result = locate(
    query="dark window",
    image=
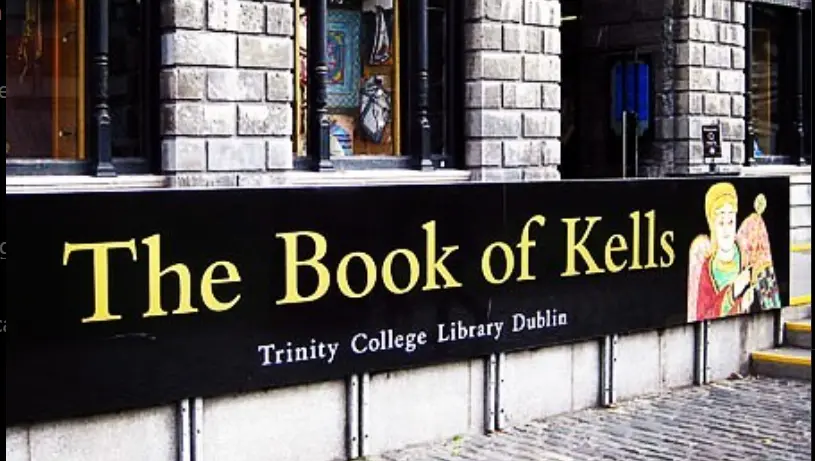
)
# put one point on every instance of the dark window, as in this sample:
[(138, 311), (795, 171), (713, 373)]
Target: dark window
[(370, 61), (50, 85), (774, 85)]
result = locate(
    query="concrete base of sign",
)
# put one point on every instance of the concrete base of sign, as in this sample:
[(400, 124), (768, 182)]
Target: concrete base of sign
[(404, 408)]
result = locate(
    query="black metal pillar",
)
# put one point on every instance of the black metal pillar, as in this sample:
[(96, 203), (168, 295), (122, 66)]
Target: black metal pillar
[(799, 87), (421, 83), (101, 132), (750, 137), (318, 123)]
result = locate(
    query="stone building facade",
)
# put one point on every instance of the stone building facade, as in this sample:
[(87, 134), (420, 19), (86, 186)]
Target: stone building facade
[(225, 75)]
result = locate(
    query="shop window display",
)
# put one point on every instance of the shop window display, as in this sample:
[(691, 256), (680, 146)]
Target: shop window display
[(49, 84), (773, 84), (44, 74), (362, 85)]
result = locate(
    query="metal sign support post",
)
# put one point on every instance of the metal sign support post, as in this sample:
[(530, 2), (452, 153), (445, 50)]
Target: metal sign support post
[(625, 143)]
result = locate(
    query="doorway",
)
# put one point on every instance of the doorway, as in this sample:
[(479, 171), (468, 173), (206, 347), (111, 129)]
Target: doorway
[(606, 102)]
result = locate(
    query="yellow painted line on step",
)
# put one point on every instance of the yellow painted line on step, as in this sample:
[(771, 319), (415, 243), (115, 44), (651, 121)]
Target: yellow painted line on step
[(802, 300), (801, 247), (774, 357), (799, 327)]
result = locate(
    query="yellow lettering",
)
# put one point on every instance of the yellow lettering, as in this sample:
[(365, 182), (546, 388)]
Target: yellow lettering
[(436, 265), (101, 309), (614, 244), (413, 273), (342, 274), (155, 273), (666, 242), (292, 263), (635, 250), (572, 247), (208, 280), (652, 239), (525, 244), (486, 263)]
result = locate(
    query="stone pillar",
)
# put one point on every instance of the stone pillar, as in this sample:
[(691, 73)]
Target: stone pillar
[(226, 89), (707, 86), (512, 95)]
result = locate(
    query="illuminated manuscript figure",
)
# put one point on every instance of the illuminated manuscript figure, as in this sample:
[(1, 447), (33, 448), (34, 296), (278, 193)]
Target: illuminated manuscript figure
[(732, 268)]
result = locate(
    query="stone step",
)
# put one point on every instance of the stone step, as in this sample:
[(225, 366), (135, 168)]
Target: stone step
[(798, 333), (798, 312), (783, 362)]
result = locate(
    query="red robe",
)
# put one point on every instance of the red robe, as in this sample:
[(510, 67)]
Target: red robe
[(709, 301)]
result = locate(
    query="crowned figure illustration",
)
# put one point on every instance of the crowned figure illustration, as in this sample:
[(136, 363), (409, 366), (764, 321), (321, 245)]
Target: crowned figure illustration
[(731, 268)]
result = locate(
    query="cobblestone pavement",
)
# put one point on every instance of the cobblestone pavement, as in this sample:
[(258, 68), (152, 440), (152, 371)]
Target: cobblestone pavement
[(746, 420)]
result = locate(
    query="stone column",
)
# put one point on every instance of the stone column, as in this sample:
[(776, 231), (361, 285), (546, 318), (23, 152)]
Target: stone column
[(512, 102), (227, 90), (708, 85)]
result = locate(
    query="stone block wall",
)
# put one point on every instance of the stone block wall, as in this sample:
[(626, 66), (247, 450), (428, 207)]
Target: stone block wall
[(707, 85), (512, 95), (226, 89)]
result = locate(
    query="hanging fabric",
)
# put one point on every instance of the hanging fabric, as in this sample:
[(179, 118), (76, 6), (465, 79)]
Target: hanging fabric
[(375, 109), (381, 49)]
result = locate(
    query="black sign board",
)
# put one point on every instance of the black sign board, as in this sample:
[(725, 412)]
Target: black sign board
[(712, 141), (131, 299)]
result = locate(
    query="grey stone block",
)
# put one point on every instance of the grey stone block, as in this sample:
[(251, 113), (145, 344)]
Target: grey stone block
[(739, 58), (279, 86), (534, 39), (271, 119), (485, 95), (731, 81), (503, 10), (542, 12), (550, 96), (541, 124), (702, 30), (521, 152), (265, 52), (737, 105), (690, 54), (235, 85), (717, 104), (234, 154), (497, 175), (733, 129), (690, 103), (697, 79), (183, 14), (482, 36), (279, 154), (493, 123), (223, 15), (182, 83), (483, 153), (252, 18), (732, 34), (513, 37), (540, 173), (550, 151), (521, 95), (216, 49), (492, 65), (718, 56), (183, 154), (551, 40), (541, 68), (279, 20)]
